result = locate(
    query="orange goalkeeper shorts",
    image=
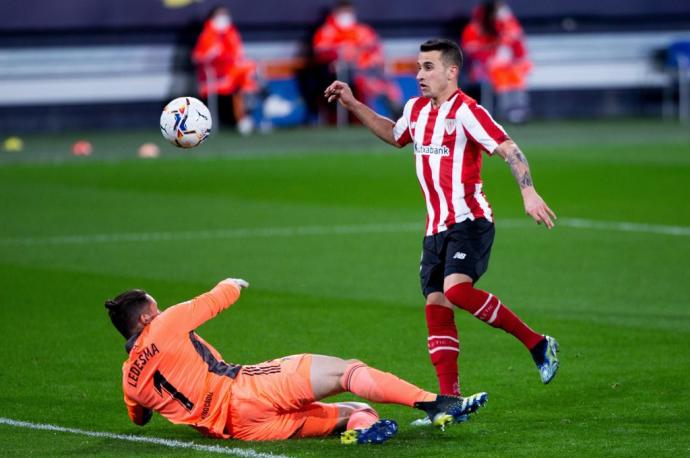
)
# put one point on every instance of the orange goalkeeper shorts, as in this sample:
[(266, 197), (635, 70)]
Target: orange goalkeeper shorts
[(274, 400)]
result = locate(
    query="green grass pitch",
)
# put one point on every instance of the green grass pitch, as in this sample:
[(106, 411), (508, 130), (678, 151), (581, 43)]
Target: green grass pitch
[(327, 225)]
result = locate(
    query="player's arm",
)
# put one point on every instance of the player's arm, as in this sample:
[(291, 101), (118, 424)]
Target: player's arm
[(381, 126), (139, 414), (534, 204), (192, 314)]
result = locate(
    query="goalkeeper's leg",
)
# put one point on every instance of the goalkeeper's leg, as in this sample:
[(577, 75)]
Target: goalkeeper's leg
[(330, 375)]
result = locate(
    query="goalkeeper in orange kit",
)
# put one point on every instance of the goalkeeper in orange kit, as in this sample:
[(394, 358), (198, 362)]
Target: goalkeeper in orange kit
[(173, 371)]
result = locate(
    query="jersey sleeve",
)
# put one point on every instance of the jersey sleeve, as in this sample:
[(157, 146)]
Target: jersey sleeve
[(189, 315), (205, 48), (139, 414), (236, 49), (481, 127), (401, 130)]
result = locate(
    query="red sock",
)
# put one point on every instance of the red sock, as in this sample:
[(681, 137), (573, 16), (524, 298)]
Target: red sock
[(362, 418), (444, 347), (489, 309), (384, 387)]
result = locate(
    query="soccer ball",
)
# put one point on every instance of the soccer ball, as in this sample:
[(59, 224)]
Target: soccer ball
[(186, 122)]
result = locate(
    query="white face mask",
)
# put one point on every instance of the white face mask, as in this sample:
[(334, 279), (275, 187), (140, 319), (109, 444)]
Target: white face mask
[(503, 12), (222, 22), (345, 20)]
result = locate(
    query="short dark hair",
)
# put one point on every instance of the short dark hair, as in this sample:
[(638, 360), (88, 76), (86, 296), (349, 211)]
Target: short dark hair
[(215, 10), (487, 16), (343, 4), (124, 311), (450, 51)]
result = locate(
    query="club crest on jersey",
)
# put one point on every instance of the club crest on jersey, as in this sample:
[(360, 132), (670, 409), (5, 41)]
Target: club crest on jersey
[(450, 126)]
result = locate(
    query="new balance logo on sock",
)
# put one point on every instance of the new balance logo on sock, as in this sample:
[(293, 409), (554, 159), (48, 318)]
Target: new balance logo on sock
[(459, 255)]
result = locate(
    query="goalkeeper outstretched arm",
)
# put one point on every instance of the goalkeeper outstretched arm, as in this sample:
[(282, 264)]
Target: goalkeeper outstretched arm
[(189, 315)]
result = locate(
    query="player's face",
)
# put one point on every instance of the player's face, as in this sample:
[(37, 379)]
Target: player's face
[(434, 77), (151, 311)]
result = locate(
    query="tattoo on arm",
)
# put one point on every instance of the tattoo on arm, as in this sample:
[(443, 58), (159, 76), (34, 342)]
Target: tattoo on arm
[(519, 166)]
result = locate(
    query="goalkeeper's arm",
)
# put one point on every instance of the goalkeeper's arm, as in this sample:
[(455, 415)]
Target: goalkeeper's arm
[(139, 414), (189, 315)]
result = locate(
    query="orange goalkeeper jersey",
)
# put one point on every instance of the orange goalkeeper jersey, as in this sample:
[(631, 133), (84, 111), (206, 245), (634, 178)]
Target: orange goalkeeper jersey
[(174, 372)]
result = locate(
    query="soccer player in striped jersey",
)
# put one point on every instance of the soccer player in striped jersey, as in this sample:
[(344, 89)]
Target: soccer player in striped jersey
[(449, 131), (170, 369)]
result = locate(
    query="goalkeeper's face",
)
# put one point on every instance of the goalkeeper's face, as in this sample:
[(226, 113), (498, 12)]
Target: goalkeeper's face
[(150, 311)]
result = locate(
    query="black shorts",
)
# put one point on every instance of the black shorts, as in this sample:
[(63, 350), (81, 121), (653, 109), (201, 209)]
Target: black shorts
[(462, 249)]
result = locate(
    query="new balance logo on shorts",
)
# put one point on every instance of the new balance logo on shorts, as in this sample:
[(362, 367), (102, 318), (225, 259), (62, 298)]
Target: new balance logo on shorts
[(459, 255)]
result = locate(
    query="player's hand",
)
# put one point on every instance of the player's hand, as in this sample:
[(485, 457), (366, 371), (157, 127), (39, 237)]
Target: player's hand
[(341, 92), (239, 282), (537, 208)]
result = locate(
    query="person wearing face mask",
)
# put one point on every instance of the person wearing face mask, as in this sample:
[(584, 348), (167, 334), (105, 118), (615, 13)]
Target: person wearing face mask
[(495, 44), (352, 51), (222, 68)]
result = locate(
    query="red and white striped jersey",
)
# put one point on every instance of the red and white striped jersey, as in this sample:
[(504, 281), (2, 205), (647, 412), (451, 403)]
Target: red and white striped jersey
[(448, 142)]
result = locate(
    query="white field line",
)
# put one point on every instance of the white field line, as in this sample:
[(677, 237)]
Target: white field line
[(269, 232), (260, 232), (622, 226), (247, 453)]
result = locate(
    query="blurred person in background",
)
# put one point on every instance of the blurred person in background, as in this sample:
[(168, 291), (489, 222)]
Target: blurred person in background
[(223, 70), (495, 45), (353, 52)]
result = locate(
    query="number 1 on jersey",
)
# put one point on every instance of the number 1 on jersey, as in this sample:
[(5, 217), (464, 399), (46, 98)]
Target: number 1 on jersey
[(160, 383)]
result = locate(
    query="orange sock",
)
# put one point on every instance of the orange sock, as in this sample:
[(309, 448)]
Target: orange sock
[(377, 386), (362, 419)]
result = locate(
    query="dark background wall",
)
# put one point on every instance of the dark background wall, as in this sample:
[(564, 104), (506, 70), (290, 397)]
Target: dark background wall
[(266, 18), (67, 14)]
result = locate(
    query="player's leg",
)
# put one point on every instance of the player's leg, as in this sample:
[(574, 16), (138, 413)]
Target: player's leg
[(331, 375), (320, 419), (355, 415), (442, 341), (488, 308), (467, 258), (361, 425), (361, 422), (274, 400), (358, 422), (242, 86)]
